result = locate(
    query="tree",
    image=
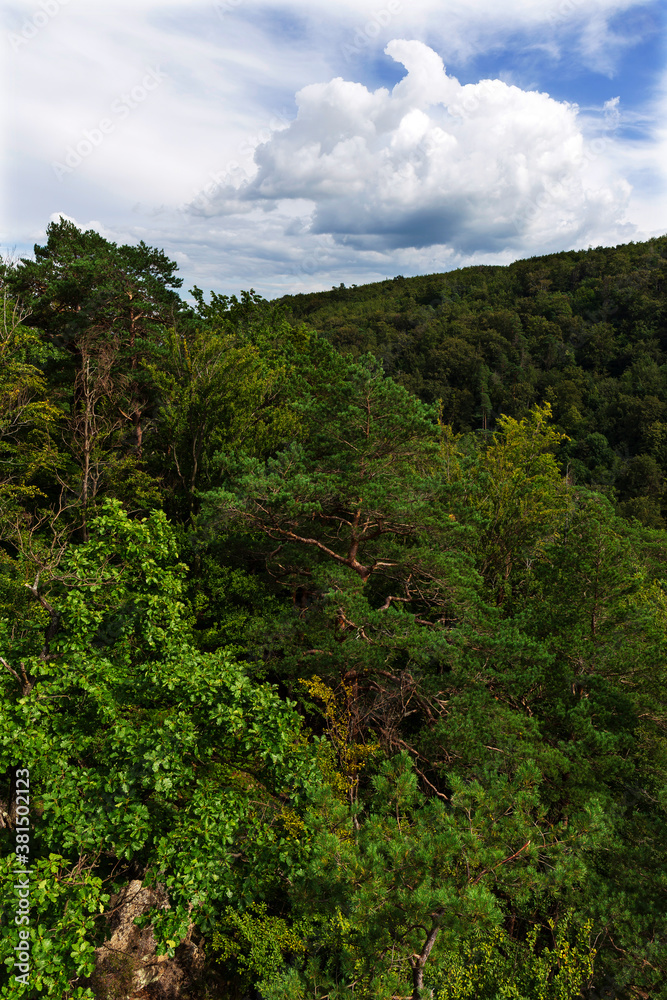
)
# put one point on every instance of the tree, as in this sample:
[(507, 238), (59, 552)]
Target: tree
[(356, 528), (518, 489), (105, 308), (217, 393), (27, 416), (351, 480), (392, 902), (141, 750)]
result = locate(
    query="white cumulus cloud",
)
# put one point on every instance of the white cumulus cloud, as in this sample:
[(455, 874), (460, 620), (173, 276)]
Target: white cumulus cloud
[(480, 167)]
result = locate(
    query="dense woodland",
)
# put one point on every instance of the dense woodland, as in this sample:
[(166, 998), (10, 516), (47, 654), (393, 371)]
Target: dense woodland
[(341, 618)]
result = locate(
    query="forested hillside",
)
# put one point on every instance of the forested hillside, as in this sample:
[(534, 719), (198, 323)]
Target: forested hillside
[(341, 623), (585, 331)]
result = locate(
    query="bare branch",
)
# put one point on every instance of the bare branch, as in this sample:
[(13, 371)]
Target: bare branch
[(403, 600), (25, 682)]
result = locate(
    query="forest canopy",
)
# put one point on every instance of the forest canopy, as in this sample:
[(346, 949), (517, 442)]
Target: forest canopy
[(339, 621), (583, 330)]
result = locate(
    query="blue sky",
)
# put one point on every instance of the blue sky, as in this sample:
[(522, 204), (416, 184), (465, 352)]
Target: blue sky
[(292, 146)]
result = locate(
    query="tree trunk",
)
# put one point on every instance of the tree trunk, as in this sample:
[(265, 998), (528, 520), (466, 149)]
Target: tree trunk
[(418, 962)]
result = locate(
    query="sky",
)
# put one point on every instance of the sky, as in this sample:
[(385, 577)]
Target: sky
[(292, 146)]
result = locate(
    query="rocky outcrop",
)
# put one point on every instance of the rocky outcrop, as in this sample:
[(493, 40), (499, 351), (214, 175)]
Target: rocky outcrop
[(128, 967)]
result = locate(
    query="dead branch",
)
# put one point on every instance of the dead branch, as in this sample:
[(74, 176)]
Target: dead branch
[(387, 603), (26, 683)]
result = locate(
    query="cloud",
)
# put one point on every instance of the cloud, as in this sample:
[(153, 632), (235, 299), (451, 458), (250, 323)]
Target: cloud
[(479, 167), (357, 186), (566, 28)]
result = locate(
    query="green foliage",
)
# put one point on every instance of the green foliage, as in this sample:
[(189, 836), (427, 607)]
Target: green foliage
[(66, 900), (100, 308), (259, 945), (26, 415), (80, 285), (579, 329), (216, 395), (495, 967), (144, 749), (521, 495), (353, 520), (340, 759), (372, 687)]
